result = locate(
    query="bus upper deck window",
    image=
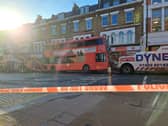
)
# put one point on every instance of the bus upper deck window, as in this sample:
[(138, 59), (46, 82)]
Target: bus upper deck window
[(80, 44), (99, 41)]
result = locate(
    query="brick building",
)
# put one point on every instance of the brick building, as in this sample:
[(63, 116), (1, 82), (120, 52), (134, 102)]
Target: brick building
[(157, 23), (120, 21)]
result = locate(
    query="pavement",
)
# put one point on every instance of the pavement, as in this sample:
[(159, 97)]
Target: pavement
[(81, 109), (85, 110)]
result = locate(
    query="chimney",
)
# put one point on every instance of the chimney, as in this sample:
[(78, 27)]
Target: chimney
[(75, 9), (100, 3)]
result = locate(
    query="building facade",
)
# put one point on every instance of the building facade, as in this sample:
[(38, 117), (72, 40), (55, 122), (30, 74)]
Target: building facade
[(157, 22), (119, 21)]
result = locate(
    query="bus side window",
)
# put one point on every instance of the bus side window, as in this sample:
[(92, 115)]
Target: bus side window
[(67, 60), (80, 44), (56, 60), (90, 42), (100, 57), (45, 61), (74, 45), (94, 42), (61, 45)]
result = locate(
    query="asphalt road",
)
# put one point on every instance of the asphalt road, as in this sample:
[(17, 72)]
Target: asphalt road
[(148, 102), (70, 79)]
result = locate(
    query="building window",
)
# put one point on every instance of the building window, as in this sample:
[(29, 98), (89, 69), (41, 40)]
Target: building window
[(42, 31), (53, 29), (156, 20), (113, 38), (116, 2), (88, 24), (166, 19), (129, 15), (76, 26), (130, 1), (129, 36), (104, 20), (63, 28), (156, 1), (106, 5), (84, 10), (60, 16), (114, 19), (121, 37)]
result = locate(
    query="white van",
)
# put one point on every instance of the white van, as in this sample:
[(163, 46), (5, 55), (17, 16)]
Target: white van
[(151, 61)]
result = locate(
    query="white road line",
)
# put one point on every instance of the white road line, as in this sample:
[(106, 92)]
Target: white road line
[(155, 100), (11, 109), (145, 80), (157, 95)]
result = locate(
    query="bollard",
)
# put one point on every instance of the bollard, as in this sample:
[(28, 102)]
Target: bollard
[(109, 71), (110, 76)]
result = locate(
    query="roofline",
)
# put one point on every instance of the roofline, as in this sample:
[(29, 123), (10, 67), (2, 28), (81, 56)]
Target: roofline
[(92, 12), (123, 4)]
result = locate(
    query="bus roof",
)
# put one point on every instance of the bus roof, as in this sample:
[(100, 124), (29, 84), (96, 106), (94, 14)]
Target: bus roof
[(81, 40)]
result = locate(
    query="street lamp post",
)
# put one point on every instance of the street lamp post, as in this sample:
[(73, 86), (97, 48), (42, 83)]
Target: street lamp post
[(147, 25)]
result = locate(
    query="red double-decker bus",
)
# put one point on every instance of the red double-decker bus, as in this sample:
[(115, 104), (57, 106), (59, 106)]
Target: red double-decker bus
[(77, 55)]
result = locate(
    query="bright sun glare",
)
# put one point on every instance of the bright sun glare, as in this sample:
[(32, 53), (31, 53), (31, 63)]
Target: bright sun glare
[(9, 19)]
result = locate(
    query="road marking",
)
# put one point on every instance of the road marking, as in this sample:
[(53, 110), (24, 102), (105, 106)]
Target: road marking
[(145, 79), (11, 109), (155, 100)]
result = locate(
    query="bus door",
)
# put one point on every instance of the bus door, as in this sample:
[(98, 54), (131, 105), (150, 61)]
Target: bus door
[(101, 61)]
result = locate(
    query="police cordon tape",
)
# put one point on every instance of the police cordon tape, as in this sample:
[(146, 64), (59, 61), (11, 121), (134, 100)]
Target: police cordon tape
[(92, 89)]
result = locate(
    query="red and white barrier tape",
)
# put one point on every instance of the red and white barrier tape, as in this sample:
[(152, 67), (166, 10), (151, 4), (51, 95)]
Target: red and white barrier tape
[(105, 88)]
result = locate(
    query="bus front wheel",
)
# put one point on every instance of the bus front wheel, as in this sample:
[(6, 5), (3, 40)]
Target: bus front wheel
[(86, 68)]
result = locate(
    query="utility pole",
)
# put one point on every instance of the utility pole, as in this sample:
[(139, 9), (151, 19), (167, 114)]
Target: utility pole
[(146, 26)]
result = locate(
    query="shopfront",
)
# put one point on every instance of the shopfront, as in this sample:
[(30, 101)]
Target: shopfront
[(157, 39)]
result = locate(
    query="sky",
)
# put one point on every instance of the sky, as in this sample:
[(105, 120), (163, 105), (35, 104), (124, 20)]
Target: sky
[(29, 9)]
